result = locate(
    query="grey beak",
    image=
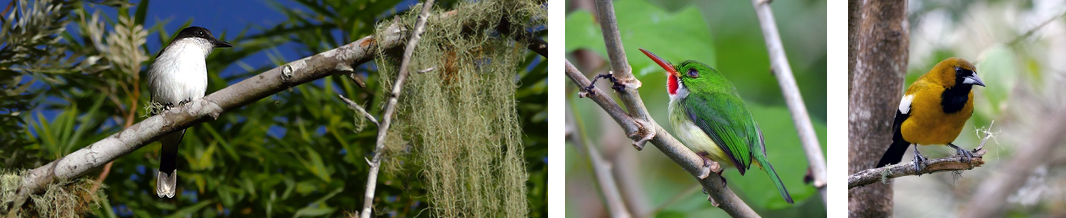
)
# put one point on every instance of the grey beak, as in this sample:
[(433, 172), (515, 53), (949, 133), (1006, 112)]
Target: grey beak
[(973, 79), (220, 43)]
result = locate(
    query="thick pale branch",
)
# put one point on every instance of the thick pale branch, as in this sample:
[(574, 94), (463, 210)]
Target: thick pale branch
[(211, 106)]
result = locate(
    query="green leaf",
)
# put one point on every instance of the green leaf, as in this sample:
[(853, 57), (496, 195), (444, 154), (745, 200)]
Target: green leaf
[(999, 69), (142, 11), (673, 36)]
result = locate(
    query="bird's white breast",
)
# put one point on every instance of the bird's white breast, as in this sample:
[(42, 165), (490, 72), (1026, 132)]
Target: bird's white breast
[(180, 72)]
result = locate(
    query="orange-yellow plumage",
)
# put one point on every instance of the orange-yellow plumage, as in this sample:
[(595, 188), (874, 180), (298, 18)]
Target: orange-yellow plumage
[(928, 124), (933, 110)]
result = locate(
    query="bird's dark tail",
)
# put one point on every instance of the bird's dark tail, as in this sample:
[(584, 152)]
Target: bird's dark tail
[(167, 178), (895, 152), (899, 146)]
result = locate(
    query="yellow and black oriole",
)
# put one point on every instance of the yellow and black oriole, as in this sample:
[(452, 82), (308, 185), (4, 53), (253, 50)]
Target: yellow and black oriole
[(933, 110)]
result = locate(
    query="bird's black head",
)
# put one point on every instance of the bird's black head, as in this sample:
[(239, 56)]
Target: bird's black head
[(203, 33)]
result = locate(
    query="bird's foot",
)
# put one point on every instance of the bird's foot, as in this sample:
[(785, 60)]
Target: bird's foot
[(182, 102), (610, 76), (710, 166), (966, 155), (705, 171), (918, 161)]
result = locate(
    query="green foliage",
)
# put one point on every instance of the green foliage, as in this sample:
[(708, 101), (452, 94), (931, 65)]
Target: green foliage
[(296, 153), (646, 26), (29, 32), (737, 50)]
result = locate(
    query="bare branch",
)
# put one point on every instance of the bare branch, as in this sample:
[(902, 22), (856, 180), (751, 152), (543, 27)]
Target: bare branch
[(624, 74), (779, 63), (718, 192), (390, 108), (601, 168), (953, 163), (906, 168), (538, 45)]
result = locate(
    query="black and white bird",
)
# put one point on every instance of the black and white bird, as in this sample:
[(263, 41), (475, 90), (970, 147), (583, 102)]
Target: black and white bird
[(178, 76)]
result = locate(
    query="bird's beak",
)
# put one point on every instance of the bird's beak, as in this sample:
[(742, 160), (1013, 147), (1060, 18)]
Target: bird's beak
[(973, 79), (221, 44), (662, 63)]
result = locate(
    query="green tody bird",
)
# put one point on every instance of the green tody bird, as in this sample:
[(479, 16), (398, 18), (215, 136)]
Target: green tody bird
[(710, 118)]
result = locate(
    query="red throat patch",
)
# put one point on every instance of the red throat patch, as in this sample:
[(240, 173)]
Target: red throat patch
[(671, 83), (671, 72)]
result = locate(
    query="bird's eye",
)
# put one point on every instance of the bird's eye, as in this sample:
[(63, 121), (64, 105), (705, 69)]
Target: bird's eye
[(693, 73), (962, 72), (201, 33)]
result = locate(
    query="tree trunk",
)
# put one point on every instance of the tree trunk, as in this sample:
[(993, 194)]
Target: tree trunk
[(878, 38)]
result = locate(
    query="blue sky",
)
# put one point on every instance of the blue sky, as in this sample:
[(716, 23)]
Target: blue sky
[(222, 18), (230, 17)]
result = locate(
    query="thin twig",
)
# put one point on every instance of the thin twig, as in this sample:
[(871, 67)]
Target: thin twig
[(605, 102), (600, 168), (360, 109), (390, 108), (100, 179), (717, 191), (1013, 173), (426, 70), (355, 78), (779, 63)]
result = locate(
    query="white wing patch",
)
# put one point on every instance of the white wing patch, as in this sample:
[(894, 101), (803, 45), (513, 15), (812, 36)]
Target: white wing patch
[(905, 104)]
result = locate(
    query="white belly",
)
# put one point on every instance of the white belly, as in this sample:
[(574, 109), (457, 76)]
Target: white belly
[(178, 74)]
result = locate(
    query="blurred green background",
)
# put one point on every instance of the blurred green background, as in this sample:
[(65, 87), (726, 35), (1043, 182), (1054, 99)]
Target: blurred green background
[(727, 36)]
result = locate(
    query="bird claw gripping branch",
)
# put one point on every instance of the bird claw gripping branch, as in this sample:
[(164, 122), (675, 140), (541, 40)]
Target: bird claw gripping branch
[(617, 86)]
